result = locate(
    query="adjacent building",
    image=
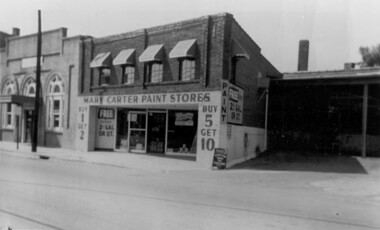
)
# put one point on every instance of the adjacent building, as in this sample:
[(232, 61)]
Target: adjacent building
[(59, 84), (332, 112)]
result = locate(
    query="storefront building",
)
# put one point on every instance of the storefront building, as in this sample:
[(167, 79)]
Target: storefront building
[(185, 88), (59, 74)]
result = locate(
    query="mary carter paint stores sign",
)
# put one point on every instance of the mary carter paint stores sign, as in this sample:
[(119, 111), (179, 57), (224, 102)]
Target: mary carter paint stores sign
[(170, 98)]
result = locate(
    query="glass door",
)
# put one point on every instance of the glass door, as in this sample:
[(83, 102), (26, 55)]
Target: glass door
[(137, 131)]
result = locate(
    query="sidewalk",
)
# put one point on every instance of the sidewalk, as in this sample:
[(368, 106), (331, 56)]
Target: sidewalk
[(138, 161)]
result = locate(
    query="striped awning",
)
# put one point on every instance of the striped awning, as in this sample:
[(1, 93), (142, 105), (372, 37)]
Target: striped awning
[(125, 57), (152, 53), (184, 49), (101, 60)]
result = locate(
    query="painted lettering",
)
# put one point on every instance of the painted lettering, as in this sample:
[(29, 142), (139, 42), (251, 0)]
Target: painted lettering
[(209, 108), (208, 132)]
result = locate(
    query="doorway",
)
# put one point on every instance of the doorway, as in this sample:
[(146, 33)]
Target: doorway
[(137, 131), (28, 126)]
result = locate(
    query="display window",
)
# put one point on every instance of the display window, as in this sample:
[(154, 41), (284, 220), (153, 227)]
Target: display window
[(182, 131), (156, 132)]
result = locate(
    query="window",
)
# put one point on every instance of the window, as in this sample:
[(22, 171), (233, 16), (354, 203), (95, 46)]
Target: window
[(104, 76), (128, 74), (55, 104), (187, 69), (30, 88), (155, 72), (8, 115), (8, 89)]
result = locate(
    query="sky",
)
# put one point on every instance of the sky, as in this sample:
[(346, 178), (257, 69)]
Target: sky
[(335, 28)]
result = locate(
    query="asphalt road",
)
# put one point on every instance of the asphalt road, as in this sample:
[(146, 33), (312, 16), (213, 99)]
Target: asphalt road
[(47, 194)]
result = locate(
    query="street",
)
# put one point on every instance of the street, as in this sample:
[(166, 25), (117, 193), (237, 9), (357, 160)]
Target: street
[(52, 194)]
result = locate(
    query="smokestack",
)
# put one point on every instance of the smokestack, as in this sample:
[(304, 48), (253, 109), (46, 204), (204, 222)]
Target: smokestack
[(15, 31), (303, 55)]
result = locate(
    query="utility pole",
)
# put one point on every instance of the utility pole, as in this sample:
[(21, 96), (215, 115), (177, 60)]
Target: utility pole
[(38, 86)]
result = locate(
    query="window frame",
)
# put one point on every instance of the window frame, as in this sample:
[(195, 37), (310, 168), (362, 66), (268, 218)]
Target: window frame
[(103, 76), (8, 115), (128, 79), (55, 82), (153, 74), (184, 70)]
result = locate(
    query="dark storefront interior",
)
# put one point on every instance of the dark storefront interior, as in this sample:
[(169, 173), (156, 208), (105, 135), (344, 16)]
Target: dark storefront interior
[(157, 131), (307, 117)]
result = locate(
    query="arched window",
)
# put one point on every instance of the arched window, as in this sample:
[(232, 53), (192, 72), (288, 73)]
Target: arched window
[(8, 108), (30, 88), (55, 103)]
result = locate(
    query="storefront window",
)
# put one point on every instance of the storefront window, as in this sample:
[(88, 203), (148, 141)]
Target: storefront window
[(122, 129), (182, 129), (156, 132)]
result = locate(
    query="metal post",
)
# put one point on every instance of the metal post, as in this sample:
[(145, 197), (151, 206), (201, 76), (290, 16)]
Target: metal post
[(17, 130), (38, 86), (364, 120), (266, 118)]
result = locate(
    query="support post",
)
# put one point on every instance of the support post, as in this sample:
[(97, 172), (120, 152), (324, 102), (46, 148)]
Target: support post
[(364, 121), (266, 118), (38, 86), (17, 130)]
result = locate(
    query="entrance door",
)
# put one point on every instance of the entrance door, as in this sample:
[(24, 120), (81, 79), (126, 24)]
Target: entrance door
[(137, 131), (28, 129), (156, 132)]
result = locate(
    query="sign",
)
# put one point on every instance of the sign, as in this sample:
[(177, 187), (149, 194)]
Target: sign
[(106, 113), (184, 119), (106, 128), (30, 62), (82, 124), (232, 104), (148, 99), (220, 158)]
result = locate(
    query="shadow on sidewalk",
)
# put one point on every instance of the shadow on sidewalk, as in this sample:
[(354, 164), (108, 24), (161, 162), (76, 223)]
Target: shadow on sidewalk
[(306, 162)]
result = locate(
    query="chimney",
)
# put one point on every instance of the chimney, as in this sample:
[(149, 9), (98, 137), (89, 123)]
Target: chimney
[(303, 55), (15, 31)]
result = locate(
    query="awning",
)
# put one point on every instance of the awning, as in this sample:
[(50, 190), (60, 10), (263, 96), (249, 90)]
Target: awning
[(238, 51), (184, 49), (125, 57), (101, 60), (152, 53), (17, 99)]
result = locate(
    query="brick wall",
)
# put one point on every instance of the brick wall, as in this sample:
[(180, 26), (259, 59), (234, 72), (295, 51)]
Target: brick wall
[(209, 33), (247, 72)]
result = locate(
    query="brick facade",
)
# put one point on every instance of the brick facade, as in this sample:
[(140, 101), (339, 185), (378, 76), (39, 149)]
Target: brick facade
[(214, 35)]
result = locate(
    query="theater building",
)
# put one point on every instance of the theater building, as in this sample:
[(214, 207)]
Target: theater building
[(184, 88), (59, 74)]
